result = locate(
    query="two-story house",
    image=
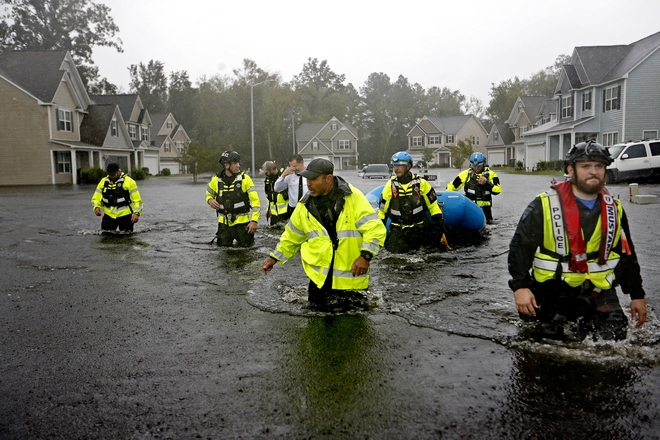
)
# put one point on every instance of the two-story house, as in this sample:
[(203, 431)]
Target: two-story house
[(171, 139), (138, 123), (528, 113), (49, 129), (607, 93), (440, 133), (332, 140)]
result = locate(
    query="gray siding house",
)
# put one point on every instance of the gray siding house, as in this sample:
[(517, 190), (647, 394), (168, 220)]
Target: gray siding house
[(332, 140), (607, 93)]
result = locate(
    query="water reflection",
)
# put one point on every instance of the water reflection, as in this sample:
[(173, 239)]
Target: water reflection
[(555, 397), (334, 371)]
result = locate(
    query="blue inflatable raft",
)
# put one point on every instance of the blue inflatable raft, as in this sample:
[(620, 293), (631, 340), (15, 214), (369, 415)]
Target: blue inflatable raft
[(462, 216)]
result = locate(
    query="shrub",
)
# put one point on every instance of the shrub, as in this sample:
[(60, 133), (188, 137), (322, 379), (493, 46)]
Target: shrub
[(138, 175), (92, 175), (166, 172), (146, 171)]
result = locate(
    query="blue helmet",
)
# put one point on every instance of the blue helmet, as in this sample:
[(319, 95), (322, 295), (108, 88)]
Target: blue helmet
[(477, 159), (401, 158)]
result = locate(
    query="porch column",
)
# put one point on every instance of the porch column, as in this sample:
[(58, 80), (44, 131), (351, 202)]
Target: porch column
[(74, 167)]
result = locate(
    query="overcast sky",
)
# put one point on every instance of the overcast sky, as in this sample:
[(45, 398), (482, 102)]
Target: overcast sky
[(464, 45)]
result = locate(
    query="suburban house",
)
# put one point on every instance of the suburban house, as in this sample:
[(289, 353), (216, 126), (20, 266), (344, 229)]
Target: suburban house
[(332, 140), (138, 123), (50, 130), (440, 133), (607, 93), (499, 145), (171, 140), (505, 139)]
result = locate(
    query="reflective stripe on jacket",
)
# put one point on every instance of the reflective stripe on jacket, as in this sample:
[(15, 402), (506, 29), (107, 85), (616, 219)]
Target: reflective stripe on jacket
[(239, 201), (358, 229), (118, 198), (555, 240), (404, 203), (482, 195)]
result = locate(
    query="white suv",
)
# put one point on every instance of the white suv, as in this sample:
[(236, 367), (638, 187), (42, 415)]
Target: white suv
[(634, 160)]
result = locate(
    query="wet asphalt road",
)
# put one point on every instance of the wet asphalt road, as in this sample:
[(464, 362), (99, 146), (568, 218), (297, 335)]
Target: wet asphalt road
[(159, 335)]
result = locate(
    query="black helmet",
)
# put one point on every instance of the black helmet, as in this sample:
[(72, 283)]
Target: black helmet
[(590, 151), (230, 157)]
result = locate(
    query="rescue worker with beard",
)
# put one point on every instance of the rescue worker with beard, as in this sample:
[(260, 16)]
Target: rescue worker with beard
[(234, 197), (277, 201), (337, 232), (576, 241), (117, 198), (480, 184), (405, 200)]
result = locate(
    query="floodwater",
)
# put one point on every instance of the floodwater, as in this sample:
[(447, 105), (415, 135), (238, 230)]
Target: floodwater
[(162, 335)]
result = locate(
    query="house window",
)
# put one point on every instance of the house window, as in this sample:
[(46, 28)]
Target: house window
[(567, 107), (650, 134), (169, 124), (145, 133), (315, 145), (344, 145), (417, 141), (610, 138), (449, 139), (64, 120), (475, 140), (63, 162), (113, 128), (496, 136), (611, 99), (434, 140), (523, 130), (333, 127), (132, 131), (168, 148), (586, 101), (179, 146)]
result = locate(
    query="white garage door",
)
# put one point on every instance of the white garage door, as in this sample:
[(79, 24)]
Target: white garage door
[(173, 166), (535, 155), (496, 158), (151, 162)]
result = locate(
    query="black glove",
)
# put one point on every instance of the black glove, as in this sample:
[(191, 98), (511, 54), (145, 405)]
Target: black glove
[(439, 223)]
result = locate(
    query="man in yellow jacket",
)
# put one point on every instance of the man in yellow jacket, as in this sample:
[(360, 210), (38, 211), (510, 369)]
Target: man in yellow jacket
[(337, 232), (117, 198), (234, 197), (480, 184), (405, 200)]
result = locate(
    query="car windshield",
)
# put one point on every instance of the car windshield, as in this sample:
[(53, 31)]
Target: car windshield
[(615, 150), (378, 169)]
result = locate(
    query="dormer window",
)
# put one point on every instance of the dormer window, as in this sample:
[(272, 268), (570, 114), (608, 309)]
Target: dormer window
[(567, 107), (169, 124), (333, 127), (132, 131), (145, 133), (113, 128)]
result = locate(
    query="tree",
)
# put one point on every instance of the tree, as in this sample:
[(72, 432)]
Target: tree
[(444, 102), (461, 152), (503, 98), (74, 25), (150, 82), (181, 96)]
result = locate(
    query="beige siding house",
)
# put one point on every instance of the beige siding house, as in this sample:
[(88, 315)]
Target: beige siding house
[(50, 130), (171, 140), (440, 133)]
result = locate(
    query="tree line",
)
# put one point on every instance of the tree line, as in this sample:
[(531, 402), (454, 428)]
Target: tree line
[(216, 110)]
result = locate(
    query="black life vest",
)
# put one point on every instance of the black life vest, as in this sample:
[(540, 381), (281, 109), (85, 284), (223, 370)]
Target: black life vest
[(231, 197), (474, 191), (406, 207), (114, 193), (271, 194)]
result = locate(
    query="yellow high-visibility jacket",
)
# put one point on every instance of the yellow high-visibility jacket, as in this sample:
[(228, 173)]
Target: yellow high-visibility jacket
[(409, 199), (118, 198), (482, 195), (358, 229), (239, 201)]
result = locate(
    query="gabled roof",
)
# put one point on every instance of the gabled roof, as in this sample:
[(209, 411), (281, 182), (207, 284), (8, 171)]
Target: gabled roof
[(158, 120), (126, 103), (447, 124), (594, 65), (506, 134), (96, 123), (38, 72), (531, 106), (308, 130)]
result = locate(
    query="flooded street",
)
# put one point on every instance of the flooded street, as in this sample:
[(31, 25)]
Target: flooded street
[(162, 335)]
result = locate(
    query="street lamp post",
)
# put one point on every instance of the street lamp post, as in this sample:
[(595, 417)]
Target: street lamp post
[(252, 117)]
